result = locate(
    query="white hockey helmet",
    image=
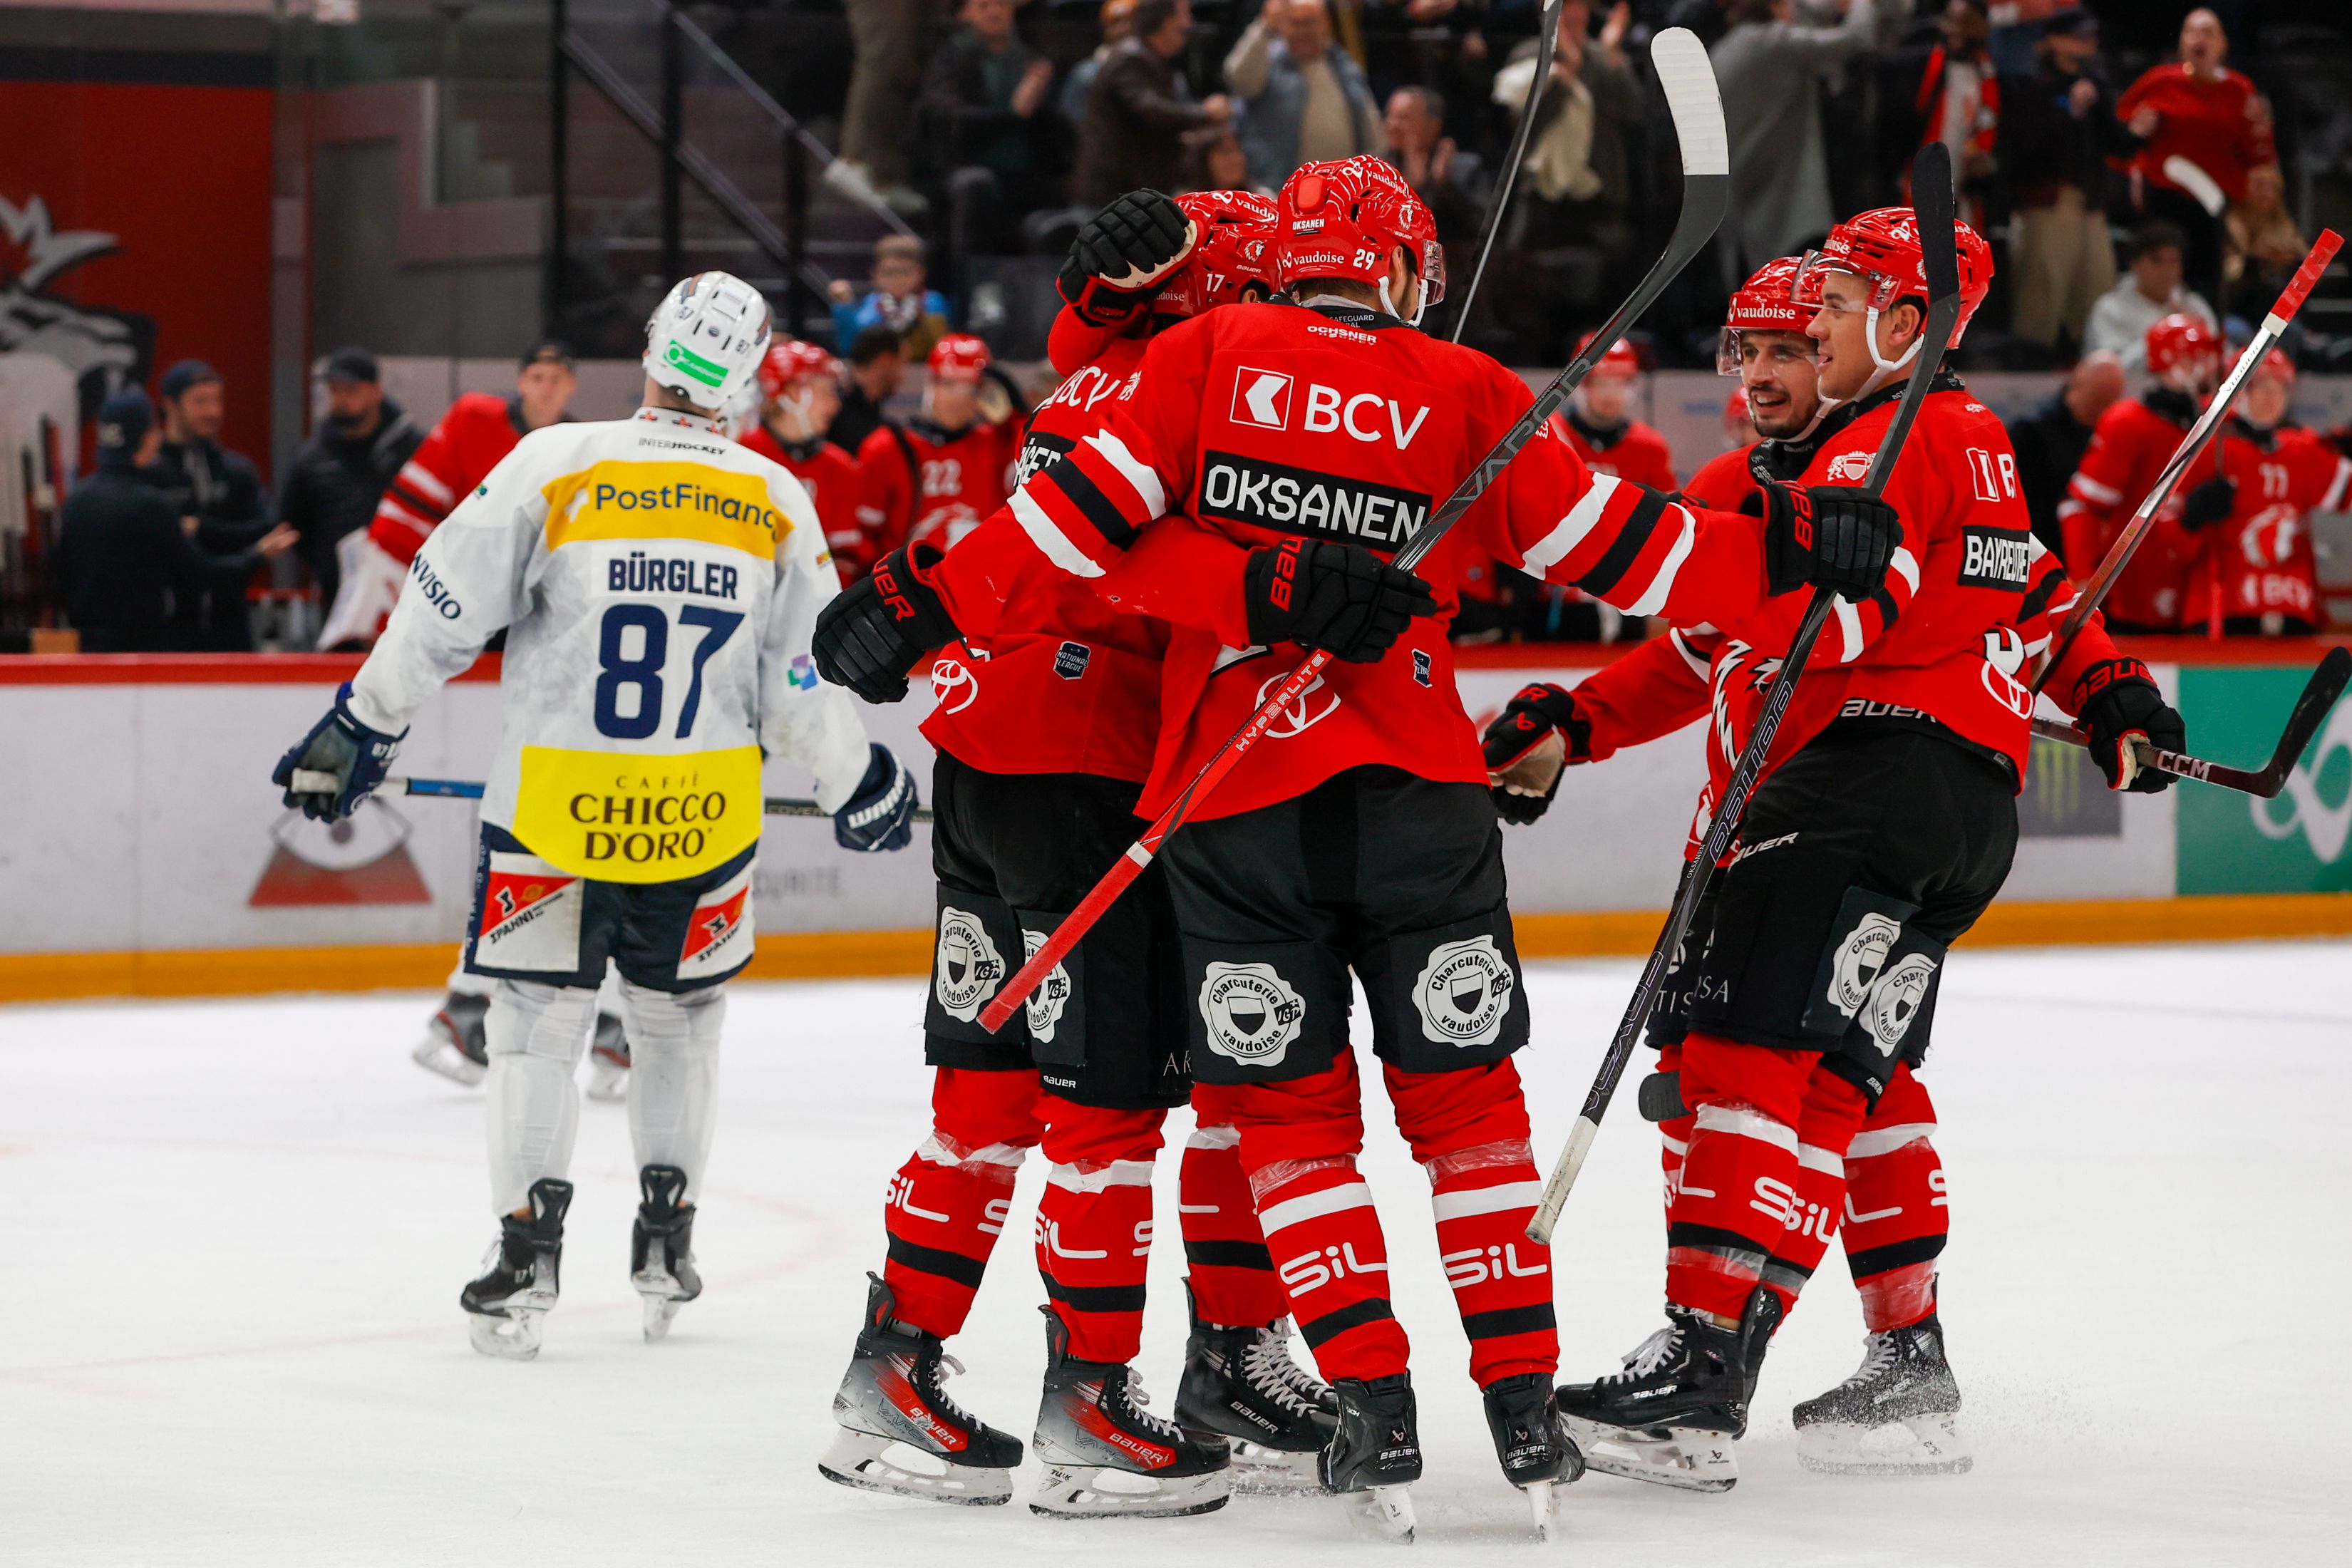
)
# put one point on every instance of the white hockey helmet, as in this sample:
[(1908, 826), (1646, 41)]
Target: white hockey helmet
[(705, 340)]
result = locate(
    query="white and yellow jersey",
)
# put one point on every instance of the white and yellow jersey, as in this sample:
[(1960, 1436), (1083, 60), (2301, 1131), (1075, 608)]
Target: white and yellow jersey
[(658, 584)]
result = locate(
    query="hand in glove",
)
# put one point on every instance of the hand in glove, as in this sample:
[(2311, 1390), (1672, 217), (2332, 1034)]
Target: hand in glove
[(339, 744), (876, 630), (1338, 597), (1123, 255), (1535, 739), (881, 814), (1828, 536), (2115, 700), (2208, 503)]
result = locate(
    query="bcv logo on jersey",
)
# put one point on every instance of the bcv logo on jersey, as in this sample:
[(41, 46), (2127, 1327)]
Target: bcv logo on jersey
[(1263, 398)]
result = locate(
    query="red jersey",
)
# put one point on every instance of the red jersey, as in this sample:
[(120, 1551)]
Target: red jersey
[(831, 480), (921, 483), (2129, 446), (1055, 680), (479, 429), (2259, 560), (2214, 123), (1632, 451), (1328, 422)]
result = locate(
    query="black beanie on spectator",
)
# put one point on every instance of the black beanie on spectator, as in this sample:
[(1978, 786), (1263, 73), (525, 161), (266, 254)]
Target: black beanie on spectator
[(188, 372), (874, 342), (123, 420)]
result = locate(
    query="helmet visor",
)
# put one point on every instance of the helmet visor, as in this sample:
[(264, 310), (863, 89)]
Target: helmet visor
[(1878, 290), (1432, 272)]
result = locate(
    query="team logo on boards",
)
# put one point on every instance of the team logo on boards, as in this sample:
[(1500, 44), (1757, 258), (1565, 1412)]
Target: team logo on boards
[(363, 859)]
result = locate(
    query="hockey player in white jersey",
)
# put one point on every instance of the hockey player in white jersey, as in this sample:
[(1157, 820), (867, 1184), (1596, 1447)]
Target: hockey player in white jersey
[(657, 583)]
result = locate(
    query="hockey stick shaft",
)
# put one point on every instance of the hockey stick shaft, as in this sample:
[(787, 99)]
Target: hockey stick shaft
[(307, 782), (1689, 82), (1547, 50), (2319, 694), (2127, 543), (1932, 204)]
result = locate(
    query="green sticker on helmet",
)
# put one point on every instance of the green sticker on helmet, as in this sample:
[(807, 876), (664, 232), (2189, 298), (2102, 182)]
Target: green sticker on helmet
[(694, 365)]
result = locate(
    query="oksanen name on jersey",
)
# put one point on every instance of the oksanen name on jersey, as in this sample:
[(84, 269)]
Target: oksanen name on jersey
[(1301, 500)]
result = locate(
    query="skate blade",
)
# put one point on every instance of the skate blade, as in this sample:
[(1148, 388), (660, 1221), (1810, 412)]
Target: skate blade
[(1543, 1508), (436, 1054), (1096, 1491), (1262, 1471), (608, 1084), (1921, 1446), (663, 1297), (1382, 1513), (515, 1336), (1681, 1456), (884, 1465)]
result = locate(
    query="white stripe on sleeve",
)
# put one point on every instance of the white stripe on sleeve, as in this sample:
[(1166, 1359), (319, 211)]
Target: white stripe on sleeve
[(1133, 469), (1048, 537), (1553, 548), (1653, 598)]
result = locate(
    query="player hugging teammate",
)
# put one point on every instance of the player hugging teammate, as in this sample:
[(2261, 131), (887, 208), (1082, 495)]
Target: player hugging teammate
[(623, 811), (1259, 466)]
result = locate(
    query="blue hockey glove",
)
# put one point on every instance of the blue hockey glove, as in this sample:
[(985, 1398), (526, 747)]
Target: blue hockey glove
[(340, 744), (881, 814)]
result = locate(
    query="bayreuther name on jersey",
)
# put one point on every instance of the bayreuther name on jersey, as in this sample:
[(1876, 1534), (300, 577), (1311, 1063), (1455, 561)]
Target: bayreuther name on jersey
[(1301, 500), (2001, 559)]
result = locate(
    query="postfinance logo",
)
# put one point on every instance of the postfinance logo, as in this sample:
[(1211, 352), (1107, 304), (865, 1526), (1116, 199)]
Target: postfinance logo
[(665, 501)]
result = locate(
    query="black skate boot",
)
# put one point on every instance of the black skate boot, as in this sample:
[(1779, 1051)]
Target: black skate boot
[(608, 1060), (456, 1042), (661, 1249), (520, 1278), (1531, 1442), (1898, 1416), (1092, 1424), (1671, 1413), (1375, 1455), (1240, 1384), (900, 1432)]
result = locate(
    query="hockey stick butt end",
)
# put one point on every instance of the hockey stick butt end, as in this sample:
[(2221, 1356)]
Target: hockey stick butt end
[(2306, 276)]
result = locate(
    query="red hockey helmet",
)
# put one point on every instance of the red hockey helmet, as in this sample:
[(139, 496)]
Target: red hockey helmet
[(1766, 302), (1341, 219), (1735, 415), (1238, 231), (959, 357), (2183, 351), (2274, 366), (1623, 358), (1883, 246), (787, 361)]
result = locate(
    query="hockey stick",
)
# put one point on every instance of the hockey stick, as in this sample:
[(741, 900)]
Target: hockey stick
[(1689, 82), (2127, 543), (1547, 51), (307, 782), (2319, 694), (1932, 209)]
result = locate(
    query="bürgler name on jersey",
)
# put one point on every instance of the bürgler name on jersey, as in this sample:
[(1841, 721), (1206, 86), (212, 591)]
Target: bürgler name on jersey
[(1300, 500), (1997, 558)]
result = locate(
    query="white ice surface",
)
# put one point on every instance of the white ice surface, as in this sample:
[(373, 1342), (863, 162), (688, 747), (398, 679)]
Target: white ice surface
[(234, 1233)]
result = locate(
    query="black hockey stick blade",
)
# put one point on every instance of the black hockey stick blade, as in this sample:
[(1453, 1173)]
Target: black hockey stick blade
[(1547, 50), (2311, 709)]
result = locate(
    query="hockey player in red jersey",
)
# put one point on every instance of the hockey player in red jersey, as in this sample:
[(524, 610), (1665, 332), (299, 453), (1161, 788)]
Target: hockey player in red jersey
[(799, 391), (1598, 423), (2256, 573), (1250, 488), (1884, 826), (932, 479), (1044, 725), (2129, 447)]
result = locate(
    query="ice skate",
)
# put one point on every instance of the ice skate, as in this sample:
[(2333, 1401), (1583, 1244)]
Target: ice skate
[(1240, 1384), (1375, 1455), (456, 1043), (1670, 1414), (661, 1249), (608, 1060), (900, 1432), (1105, 1455), (520, 1278), (1898, 1414), (1532, 1443)]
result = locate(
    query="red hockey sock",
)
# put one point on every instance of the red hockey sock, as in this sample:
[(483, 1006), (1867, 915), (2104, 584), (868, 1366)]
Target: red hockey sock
[(1832, 1110), (1673, 1134), (1227, 1261), (1895, 1216), (949, 1202), (1094, 1224)]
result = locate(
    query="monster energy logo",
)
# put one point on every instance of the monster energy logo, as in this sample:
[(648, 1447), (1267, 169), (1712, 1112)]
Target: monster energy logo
[(704, 370), (2066, 796)]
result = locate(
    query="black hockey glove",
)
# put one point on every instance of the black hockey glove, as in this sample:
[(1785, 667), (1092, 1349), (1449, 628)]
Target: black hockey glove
[(1533, 712), (1341, 598), (2208, 503), (877, 627), (340, 746), (2114, 699), (1122, 255), (881, 814), (1827, 536)]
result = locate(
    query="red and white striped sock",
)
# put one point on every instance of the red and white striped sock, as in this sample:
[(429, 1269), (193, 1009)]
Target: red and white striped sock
[(1225, 1255), (1325, 1236), (1094, 1224), (1483, 1199), (948, 1203)]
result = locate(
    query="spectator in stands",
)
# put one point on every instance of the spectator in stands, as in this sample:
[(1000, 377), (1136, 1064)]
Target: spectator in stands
[(899, 299), (1215, 161), (1948, 93), (886, 39), (989, 138), (221, 490), (1449, 182), (2144, 296), (2050, 440), (877, 362), (1766, 65), (337, 476), (2198, 110), (1306, 97), (2263, 246), (1117, 21), (2058, 128), (127, 558), (1132, 134)]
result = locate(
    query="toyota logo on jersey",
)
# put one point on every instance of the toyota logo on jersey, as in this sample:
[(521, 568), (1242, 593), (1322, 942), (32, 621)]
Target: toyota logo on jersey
[(954, 686), (1303, 715)]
